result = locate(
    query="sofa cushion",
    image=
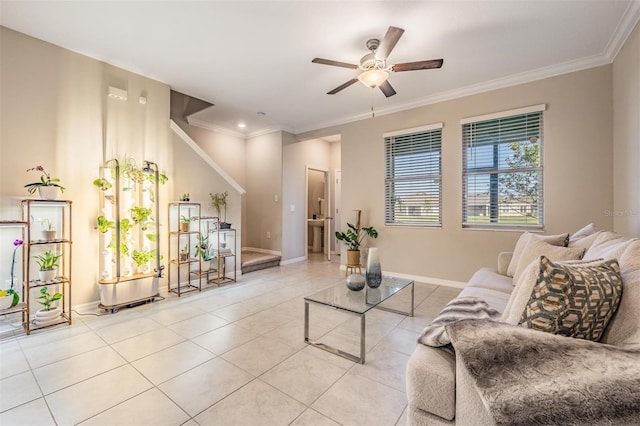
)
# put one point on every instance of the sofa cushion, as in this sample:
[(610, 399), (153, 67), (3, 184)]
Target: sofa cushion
[(624, 329), (494, 298), (431, 381), (490, 279), (537, 247), (523, 241), (608, 245), (523, 289), (574, 300), (583, 232)]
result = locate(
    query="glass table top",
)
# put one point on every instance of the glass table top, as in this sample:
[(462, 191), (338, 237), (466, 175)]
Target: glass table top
[(339, 296)]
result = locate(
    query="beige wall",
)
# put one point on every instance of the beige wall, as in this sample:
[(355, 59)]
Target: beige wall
[(578, 159), (626, 137), (55, 113), (263, 183)]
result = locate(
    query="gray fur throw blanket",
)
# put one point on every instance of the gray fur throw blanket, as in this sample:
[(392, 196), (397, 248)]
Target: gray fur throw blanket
[(528, 377), (459, 308)]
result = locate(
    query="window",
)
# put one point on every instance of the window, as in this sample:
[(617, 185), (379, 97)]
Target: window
[(413, 175), (502, 170)]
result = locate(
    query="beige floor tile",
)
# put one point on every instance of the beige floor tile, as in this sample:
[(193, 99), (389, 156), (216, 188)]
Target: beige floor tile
[(384, 366), (254, 404), (53, 377), (206, 384), (356, 400), (198, 325), (18, 389), (86, 399), (151, 408), (403, 421), (173, 314), (400, 340), (224, 338), (259, 355), (12, 359), (147, 343), (171, 362), (29, 414), (303, 377), (263, 322), (64, 348), (56, 334), (336, 360), (126, 329), (313, 418)]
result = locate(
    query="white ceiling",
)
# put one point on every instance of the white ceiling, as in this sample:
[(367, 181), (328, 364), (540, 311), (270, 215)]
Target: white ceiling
[(251, 56)]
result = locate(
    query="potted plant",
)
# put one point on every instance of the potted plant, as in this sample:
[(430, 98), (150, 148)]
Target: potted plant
[(185, 223), (48, 262), (185, 197), (219, 202), (47, 187), (353, 238), (48, 231), (203, 251), (48, 314), (184, 253)]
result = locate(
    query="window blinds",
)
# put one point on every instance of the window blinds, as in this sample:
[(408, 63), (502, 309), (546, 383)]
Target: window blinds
[(413, 175), (502, 172)]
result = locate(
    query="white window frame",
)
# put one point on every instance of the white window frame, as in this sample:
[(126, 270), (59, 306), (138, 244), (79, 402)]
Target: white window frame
[(495, 205), (390, 216)]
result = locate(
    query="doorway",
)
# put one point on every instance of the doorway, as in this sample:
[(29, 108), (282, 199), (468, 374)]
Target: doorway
[(318, 212)]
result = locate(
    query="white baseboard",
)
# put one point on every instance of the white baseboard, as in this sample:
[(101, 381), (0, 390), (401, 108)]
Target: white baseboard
[(294, 260), (421, 279)]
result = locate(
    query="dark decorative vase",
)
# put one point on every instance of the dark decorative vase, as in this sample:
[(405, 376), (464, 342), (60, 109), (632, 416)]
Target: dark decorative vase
[(355, 282), (374, 270)]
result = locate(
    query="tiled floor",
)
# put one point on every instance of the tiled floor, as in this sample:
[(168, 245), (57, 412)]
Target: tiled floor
[(228, 356)]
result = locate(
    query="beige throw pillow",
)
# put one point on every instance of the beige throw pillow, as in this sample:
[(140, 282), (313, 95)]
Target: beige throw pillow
[(523, 241), (608, 245), (574, 300), (538, 247)]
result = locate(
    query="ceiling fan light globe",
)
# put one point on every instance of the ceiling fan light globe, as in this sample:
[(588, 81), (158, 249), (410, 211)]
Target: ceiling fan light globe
[(373, 78)]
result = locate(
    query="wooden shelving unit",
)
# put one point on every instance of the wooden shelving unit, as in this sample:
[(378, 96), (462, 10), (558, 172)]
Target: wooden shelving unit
[(58, 212), (182, 240)]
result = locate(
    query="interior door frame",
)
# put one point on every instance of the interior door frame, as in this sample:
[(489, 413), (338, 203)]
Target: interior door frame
[(328, 219)]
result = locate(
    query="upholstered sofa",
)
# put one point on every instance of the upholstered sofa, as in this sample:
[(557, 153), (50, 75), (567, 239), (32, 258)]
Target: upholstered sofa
[(497, 371)]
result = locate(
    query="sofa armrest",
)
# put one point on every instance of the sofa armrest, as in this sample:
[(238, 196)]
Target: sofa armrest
[(504, 258)]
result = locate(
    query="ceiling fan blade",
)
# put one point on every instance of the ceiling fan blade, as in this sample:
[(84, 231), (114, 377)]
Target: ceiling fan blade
[(420, 65), (342, 86), (388, 42), (334, 63), (387, 89)]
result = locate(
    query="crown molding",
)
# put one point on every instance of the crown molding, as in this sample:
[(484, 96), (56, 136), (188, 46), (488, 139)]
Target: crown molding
[(270, 129), (623, 31)]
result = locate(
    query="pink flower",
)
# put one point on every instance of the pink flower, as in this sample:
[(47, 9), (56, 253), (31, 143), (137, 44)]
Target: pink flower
[(18, 243), (40, 169)]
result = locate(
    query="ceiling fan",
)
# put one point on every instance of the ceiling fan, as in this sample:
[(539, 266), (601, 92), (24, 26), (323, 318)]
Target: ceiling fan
[(375, 70)]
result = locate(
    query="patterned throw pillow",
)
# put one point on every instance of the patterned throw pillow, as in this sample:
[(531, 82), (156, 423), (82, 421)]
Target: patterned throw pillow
[(574, 300)]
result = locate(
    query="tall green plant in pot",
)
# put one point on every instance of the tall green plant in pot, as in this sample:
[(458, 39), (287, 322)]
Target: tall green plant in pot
[(219, 201), (353, 238), (48, 263)]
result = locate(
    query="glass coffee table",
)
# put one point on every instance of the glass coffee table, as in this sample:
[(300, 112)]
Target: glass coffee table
[(357, 303)]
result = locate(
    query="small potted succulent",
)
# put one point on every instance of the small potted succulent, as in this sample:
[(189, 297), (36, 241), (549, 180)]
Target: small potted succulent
[(184, 253), (185, 224), (48, 263)]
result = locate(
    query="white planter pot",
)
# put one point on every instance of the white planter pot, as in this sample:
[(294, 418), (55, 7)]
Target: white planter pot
[(48, 192), (47, 275), (48, 317), (125, 292), (206, 264), (49, 235)]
